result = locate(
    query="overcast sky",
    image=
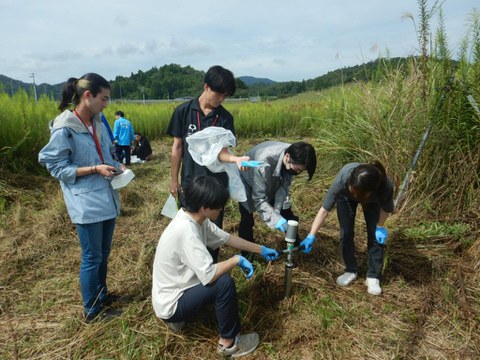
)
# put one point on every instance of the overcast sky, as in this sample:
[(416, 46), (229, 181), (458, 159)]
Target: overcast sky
[(281, 40)]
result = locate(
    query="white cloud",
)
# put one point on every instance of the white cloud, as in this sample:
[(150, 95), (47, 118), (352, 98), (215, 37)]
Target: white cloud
[(282, 39)]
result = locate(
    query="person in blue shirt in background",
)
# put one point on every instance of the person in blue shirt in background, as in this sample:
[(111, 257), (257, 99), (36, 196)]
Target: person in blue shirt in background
[(123, 136)]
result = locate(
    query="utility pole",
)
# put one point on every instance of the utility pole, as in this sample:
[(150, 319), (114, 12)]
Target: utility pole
[(34, 87), (143, 93), (11, 86)]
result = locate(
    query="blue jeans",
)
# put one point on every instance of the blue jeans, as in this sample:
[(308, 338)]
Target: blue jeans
[(95, 240), (223, 294), (346, 211)]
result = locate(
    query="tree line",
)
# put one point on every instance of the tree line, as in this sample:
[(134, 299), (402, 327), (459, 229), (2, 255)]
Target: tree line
[(174, 81)]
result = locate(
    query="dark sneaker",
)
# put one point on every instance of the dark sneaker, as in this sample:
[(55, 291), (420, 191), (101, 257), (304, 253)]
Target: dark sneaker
[(176, 327), (243, 345), (107, 314), (110, 299)]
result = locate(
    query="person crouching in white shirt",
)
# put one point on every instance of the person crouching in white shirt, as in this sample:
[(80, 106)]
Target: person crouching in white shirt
[(185, 279)]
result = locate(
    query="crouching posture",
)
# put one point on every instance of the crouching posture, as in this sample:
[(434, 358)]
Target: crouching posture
[(368, 185), (185, 279)]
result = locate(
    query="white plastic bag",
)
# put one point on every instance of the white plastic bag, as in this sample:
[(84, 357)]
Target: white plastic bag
[(204, 147)]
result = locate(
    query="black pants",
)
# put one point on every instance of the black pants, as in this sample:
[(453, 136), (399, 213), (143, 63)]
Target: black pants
[(223, 294), (245, 229), (119, 153), (346, 211)]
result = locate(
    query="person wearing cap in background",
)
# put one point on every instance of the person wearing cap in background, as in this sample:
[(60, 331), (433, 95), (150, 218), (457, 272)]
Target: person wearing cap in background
[(268, 186)]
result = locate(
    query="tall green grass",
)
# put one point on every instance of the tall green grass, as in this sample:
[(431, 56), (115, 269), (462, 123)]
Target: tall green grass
[(384, 119), (24, 128)]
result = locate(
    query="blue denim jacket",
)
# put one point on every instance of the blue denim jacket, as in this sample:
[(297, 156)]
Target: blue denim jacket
[(89, 198)]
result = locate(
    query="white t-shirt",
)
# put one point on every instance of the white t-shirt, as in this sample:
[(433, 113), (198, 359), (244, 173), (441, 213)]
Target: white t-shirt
[(183, 261)]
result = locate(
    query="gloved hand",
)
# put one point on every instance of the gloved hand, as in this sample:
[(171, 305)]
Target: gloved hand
[(307, 243), (269, 254), (381, 234), (246, 266), (281, 225)]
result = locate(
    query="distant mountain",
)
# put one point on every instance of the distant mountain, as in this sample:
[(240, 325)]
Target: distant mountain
[(9, 86), (250, 80), (174, 81)]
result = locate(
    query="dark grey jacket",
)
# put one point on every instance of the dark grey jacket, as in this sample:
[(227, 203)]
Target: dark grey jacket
[(267, 184)]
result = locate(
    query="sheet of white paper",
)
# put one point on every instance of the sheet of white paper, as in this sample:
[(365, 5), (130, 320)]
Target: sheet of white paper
[(170, 208), (123, 179)]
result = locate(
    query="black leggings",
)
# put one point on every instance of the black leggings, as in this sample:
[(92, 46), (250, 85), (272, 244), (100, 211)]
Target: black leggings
[(245, 229)]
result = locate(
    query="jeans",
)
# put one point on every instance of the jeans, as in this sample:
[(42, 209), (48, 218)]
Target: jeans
[(346, 211), (95, 240), (119, 153), (223, 294)]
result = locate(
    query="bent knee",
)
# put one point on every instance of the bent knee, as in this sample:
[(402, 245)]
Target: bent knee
[(225, 282)]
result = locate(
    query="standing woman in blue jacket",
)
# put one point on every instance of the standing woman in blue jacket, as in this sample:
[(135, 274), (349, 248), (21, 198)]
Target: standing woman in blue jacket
[(79, 156)]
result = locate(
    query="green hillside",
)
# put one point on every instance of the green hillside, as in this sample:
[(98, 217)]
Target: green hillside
[(174, 81)]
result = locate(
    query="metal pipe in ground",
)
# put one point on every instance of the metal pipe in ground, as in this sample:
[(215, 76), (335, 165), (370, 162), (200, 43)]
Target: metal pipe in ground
[(290, 239)]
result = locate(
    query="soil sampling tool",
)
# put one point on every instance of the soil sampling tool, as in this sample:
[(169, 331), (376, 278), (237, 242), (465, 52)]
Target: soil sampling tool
[(290, 239)]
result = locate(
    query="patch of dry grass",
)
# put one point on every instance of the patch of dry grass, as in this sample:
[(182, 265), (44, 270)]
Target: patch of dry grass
[(429, 309)]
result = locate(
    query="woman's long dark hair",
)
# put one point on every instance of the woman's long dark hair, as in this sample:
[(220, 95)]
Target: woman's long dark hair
[(369, 178), (74, 88)]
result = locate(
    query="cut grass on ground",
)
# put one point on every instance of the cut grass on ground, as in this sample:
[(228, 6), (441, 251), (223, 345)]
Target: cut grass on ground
[(429, 309)]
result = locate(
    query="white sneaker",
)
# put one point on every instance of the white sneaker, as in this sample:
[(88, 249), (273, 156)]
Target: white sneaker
[(243, 345), (373, 286), (346, 279)]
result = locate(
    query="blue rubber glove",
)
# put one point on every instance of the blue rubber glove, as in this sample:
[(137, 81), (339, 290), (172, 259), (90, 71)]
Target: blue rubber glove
[(252, 163), (246, 266), (381, 234), (307, 243), (269, 254), (281, 225)]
